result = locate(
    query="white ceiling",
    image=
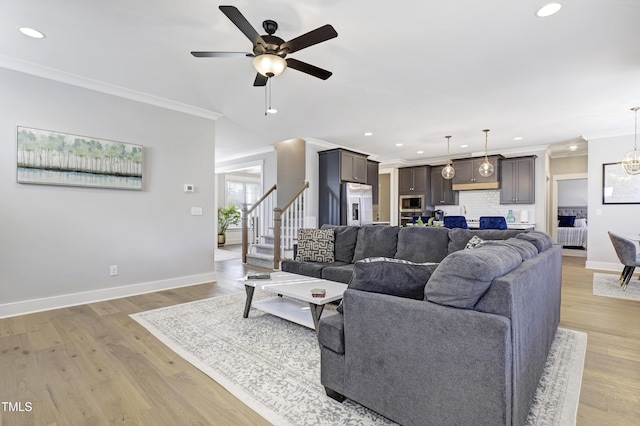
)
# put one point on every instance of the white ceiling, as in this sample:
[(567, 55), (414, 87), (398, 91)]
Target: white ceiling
[(410, 73)]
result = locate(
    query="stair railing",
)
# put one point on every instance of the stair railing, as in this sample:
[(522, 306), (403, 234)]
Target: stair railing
[(255, 220), (287, 221)]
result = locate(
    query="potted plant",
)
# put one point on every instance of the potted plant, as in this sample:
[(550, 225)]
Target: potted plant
[(226, 216)]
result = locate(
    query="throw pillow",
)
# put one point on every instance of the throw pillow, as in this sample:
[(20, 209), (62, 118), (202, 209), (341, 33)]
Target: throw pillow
[(315, 245), (395, 277), (580, 223), (474, 242), (566, 221)]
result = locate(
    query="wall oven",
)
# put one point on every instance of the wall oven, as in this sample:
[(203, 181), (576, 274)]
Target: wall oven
[(412, 203)]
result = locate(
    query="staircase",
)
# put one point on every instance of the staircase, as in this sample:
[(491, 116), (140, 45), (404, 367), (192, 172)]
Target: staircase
[(281, 225)]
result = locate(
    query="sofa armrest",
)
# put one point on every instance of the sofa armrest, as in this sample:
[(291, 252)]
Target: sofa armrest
[(409, 357)]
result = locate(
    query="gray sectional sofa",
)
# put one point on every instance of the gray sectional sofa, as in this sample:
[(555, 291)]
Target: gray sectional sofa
[(455, 336)]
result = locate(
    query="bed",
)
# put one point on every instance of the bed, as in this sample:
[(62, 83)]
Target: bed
[(572, 226)]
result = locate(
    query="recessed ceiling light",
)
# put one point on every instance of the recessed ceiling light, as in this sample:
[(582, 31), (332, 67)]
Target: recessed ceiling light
[(573, 147), (464, 146), (398, 144), (548, 10), (368, 134), (419, 152), (517, 138), (31, 32)]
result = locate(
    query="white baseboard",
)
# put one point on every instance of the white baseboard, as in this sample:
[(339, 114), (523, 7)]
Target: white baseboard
[(66, 300), (604, 266)]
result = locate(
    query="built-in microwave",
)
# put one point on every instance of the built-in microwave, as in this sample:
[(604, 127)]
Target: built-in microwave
[(412, 203)]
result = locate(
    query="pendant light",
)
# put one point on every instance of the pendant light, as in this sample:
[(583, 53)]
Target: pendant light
[(486, 168), (448, 172), (631, 161)]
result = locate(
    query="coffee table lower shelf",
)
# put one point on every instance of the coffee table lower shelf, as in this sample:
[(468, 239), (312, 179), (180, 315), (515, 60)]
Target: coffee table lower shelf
[(292, 310)]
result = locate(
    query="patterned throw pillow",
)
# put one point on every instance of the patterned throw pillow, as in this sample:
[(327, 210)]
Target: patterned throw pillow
[(315, 245), (474, 242)]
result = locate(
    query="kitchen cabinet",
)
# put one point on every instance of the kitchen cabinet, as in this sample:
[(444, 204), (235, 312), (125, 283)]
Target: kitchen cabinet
[(353, 167), (468, 177), (518, 180), (442, 192), (414, 180), (372, 179)]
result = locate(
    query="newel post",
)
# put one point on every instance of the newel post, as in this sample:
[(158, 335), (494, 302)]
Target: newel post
[(277, 224), (245, 233)]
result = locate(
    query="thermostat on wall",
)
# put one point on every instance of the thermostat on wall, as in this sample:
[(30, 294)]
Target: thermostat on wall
[(188, 187)]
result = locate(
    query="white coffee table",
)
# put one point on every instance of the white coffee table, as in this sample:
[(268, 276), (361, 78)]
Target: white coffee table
[(299, 306)]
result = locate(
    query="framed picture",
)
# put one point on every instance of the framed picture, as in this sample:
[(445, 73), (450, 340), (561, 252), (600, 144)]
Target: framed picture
[(619, 187), (45, 157)]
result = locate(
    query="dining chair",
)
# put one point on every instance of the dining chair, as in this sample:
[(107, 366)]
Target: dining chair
[(455, 222), (628, 255), (493, 222)]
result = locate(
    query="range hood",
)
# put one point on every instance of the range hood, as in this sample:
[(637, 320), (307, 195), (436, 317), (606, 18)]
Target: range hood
[(467, 177)]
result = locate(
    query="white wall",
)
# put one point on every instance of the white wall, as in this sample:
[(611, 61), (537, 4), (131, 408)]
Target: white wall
[(572, 192), (618, 218), (57, 242)]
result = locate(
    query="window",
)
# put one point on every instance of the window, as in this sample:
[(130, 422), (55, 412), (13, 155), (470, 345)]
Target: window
[(241, 192)]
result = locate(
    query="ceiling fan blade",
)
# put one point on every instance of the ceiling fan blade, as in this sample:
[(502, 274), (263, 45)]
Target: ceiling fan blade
[(243, 25), (316, 36), (260, 80), (221, 54), (308, 68)]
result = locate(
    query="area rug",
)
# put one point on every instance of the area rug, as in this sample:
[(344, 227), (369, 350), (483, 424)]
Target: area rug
[(273, 365), (226, 255), (609, 286)]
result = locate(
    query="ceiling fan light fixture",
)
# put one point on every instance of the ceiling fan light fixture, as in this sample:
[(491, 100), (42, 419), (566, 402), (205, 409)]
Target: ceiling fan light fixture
[(486, 169), (631, 160), (269, 65), (448, 172)]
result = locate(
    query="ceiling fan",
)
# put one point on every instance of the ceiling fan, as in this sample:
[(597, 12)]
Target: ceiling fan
[(269, 51)]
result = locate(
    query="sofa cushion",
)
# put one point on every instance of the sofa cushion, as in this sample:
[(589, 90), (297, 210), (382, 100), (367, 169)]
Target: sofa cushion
[(421, 244), (458, 237), (526, 249), (331, 333), (344, 242), (376, 241), (339, 272), (395, 277), (315, 245), (464, 276), (541, 240), (309, 269)]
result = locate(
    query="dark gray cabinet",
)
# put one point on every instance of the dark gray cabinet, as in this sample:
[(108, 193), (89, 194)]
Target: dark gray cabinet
[(372, 179), (353, 167), (518, 180), (468, 177), (413, 180), (335, 167), (442, 192)]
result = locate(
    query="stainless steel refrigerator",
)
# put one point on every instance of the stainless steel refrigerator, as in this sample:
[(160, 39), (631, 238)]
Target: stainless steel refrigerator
[(357, 204)]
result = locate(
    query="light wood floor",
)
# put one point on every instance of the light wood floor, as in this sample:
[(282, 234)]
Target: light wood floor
[(93, 365)]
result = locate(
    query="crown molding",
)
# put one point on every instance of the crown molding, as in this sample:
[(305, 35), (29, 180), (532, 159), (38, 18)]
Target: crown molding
[(246, 154), (99, 86)]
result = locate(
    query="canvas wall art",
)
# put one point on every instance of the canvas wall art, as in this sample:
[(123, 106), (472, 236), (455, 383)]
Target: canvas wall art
[(52, 158), (619, 187)]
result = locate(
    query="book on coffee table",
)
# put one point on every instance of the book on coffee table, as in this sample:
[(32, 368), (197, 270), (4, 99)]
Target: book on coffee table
[(318, 292)]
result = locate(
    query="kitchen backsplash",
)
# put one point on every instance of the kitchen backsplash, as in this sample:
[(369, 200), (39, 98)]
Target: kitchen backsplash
[(487, 203)]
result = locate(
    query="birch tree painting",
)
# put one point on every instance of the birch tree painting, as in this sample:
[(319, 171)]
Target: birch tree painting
[(52, 158)]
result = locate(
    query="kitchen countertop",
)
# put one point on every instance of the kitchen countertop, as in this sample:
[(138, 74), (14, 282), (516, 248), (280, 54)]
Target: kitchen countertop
[(475, 224)]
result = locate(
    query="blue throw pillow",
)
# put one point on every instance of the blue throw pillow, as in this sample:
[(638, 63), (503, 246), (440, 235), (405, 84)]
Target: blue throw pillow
[(566, 221)]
